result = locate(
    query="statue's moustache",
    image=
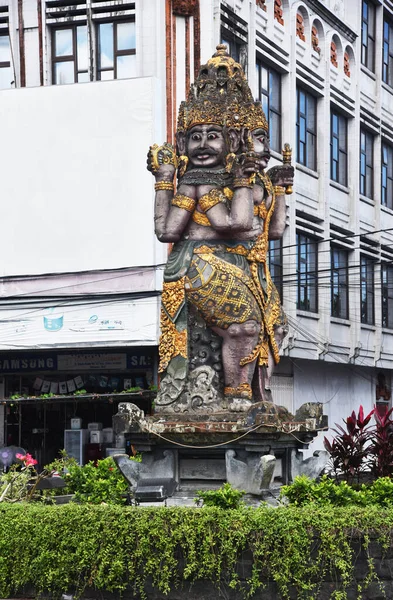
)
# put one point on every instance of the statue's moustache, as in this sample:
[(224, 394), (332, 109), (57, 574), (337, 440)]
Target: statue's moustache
[(208, 151)]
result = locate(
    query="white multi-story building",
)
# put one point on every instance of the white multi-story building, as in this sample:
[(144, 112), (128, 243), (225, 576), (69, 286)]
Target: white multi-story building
[(88, 85)]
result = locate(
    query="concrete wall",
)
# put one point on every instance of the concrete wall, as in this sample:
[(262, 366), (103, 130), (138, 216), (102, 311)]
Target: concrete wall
[(76, 192)]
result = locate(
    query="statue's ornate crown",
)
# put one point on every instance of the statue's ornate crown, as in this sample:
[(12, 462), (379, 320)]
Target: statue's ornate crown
[(221, 95)]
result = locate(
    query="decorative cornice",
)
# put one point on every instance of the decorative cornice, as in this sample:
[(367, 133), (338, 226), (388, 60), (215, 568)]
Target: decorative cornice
[(331, 18)]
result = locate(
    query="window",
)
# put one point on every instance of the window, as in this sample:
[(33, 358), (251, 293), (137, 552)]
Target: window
[(234, 34), (116, 50), (387, 176), (275, 264), (387, 53), (70, 62), (6, 74), (366, 163), (269, 93), (367, 290), (338, 148), (307, 260), (339, 283), (387, 296), (306, 132), (368, 34)]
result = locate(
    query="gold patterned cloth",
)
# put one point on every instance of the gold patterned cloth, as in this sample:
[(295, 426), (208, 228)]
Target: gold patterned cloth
[(228, 283)]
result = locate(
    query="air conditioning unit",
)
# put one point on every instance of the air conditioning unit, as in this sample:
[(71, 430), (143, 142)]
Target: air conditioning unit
[(75, 441)]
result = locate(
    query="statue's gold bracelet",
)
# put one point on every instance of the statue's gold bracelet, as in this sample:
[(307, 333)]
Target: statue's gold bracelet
[(279, 190), (242, 182), (212, 198), (164, 185), (184, 202)]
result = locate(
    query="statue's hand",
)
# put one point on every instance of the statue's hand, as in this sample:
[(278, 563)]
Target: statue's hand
[(162, 161), (281, 175), (246, 165)]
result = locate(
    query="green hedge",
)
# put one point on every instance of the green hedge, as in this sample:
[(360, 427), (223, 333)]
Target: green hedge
[(57, 549)]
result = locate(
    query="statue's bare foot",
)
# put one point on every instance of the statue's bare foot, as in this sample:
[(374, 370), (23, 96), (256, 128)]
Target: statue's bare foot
[(239, 405)]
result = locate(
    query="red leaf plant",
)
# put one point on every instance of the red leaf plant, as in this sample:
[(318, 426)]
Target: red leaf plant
[(381, 448), (350, 449)]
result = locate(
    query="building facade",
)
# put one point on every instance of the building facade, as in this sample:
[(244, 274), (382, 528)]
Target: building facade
[(86, 87)]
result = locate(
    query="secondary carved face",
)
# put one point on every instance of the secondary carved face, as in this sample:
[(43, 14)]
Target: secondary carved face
[(206, 146), (260, 138)]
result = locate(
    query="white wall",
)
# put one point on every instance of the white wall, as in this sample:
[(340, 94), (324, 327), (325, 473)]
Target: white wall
[(75, 191)]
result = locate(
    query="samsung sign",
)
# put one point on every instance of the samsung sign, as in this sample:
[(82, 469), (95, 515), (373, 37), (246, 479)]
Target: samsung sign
[(28, 363), (105, 361)]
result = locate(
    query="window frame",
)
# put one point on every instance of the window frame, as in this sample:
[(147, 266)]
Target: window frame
[(366, 167), (339, 281), (387, 173), (387, 52), (367, 294), (116, 52), (7, 64), (310, 132), (387, 295), (307, 278), (367, 53), (341, 175), (275, 255), (265, 97), (73, 26)]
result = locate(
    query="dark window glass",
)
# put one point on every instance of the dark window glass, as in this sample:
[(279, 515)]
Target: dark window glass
[(387, 296), (368, 35), (275, 264), (6, 74), (366, 163), (338, 149), (387, 53), (339, 283), (306, 131), (116, 50), (237, 49), (367, 290), (387, 176), (307, 275), (269, 93), (70, 55)]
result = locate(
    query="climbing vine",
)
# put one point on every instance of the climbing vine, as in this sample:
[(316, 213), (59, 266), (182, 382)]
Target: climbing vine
[(57, 549)]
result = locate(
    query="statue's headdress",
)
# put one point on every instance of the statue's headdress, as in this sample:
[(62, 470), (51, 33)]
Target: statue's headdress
[(221, 95)]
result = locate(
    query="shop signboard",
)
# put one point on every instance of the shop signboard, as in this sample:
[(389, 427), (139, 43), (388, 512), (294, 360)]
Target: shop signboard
[(91, 362), (71, 324), (27, 363)]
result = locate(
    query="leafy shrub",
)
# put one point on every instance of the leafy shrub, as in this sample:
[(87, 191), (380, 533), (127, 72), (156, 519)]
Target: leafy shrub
[(20, 483), (96, 483), (225, 497), (380, 492), (59, 549), (304, 491)]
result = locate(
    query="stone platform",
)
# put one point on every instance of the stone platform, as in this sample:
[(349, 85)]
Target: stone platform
[(200, 450)]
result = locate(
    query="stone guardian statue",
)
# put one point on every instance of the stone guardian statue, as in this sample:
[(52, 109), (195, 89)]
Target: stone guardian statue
[(221, 315)]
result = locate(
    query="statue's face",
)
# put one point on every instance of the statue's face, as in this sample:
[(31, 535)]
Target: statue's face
[(206, 146), (260, 138)]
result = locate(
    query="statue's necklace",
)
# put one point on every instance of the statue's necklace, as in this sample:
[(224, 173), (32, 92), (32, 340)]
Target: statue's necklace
[(219, 177)]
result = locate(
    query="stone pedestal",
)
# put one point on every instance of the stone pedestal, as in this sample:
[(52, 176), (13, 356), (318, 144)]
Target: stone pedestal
[(212, 449)]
